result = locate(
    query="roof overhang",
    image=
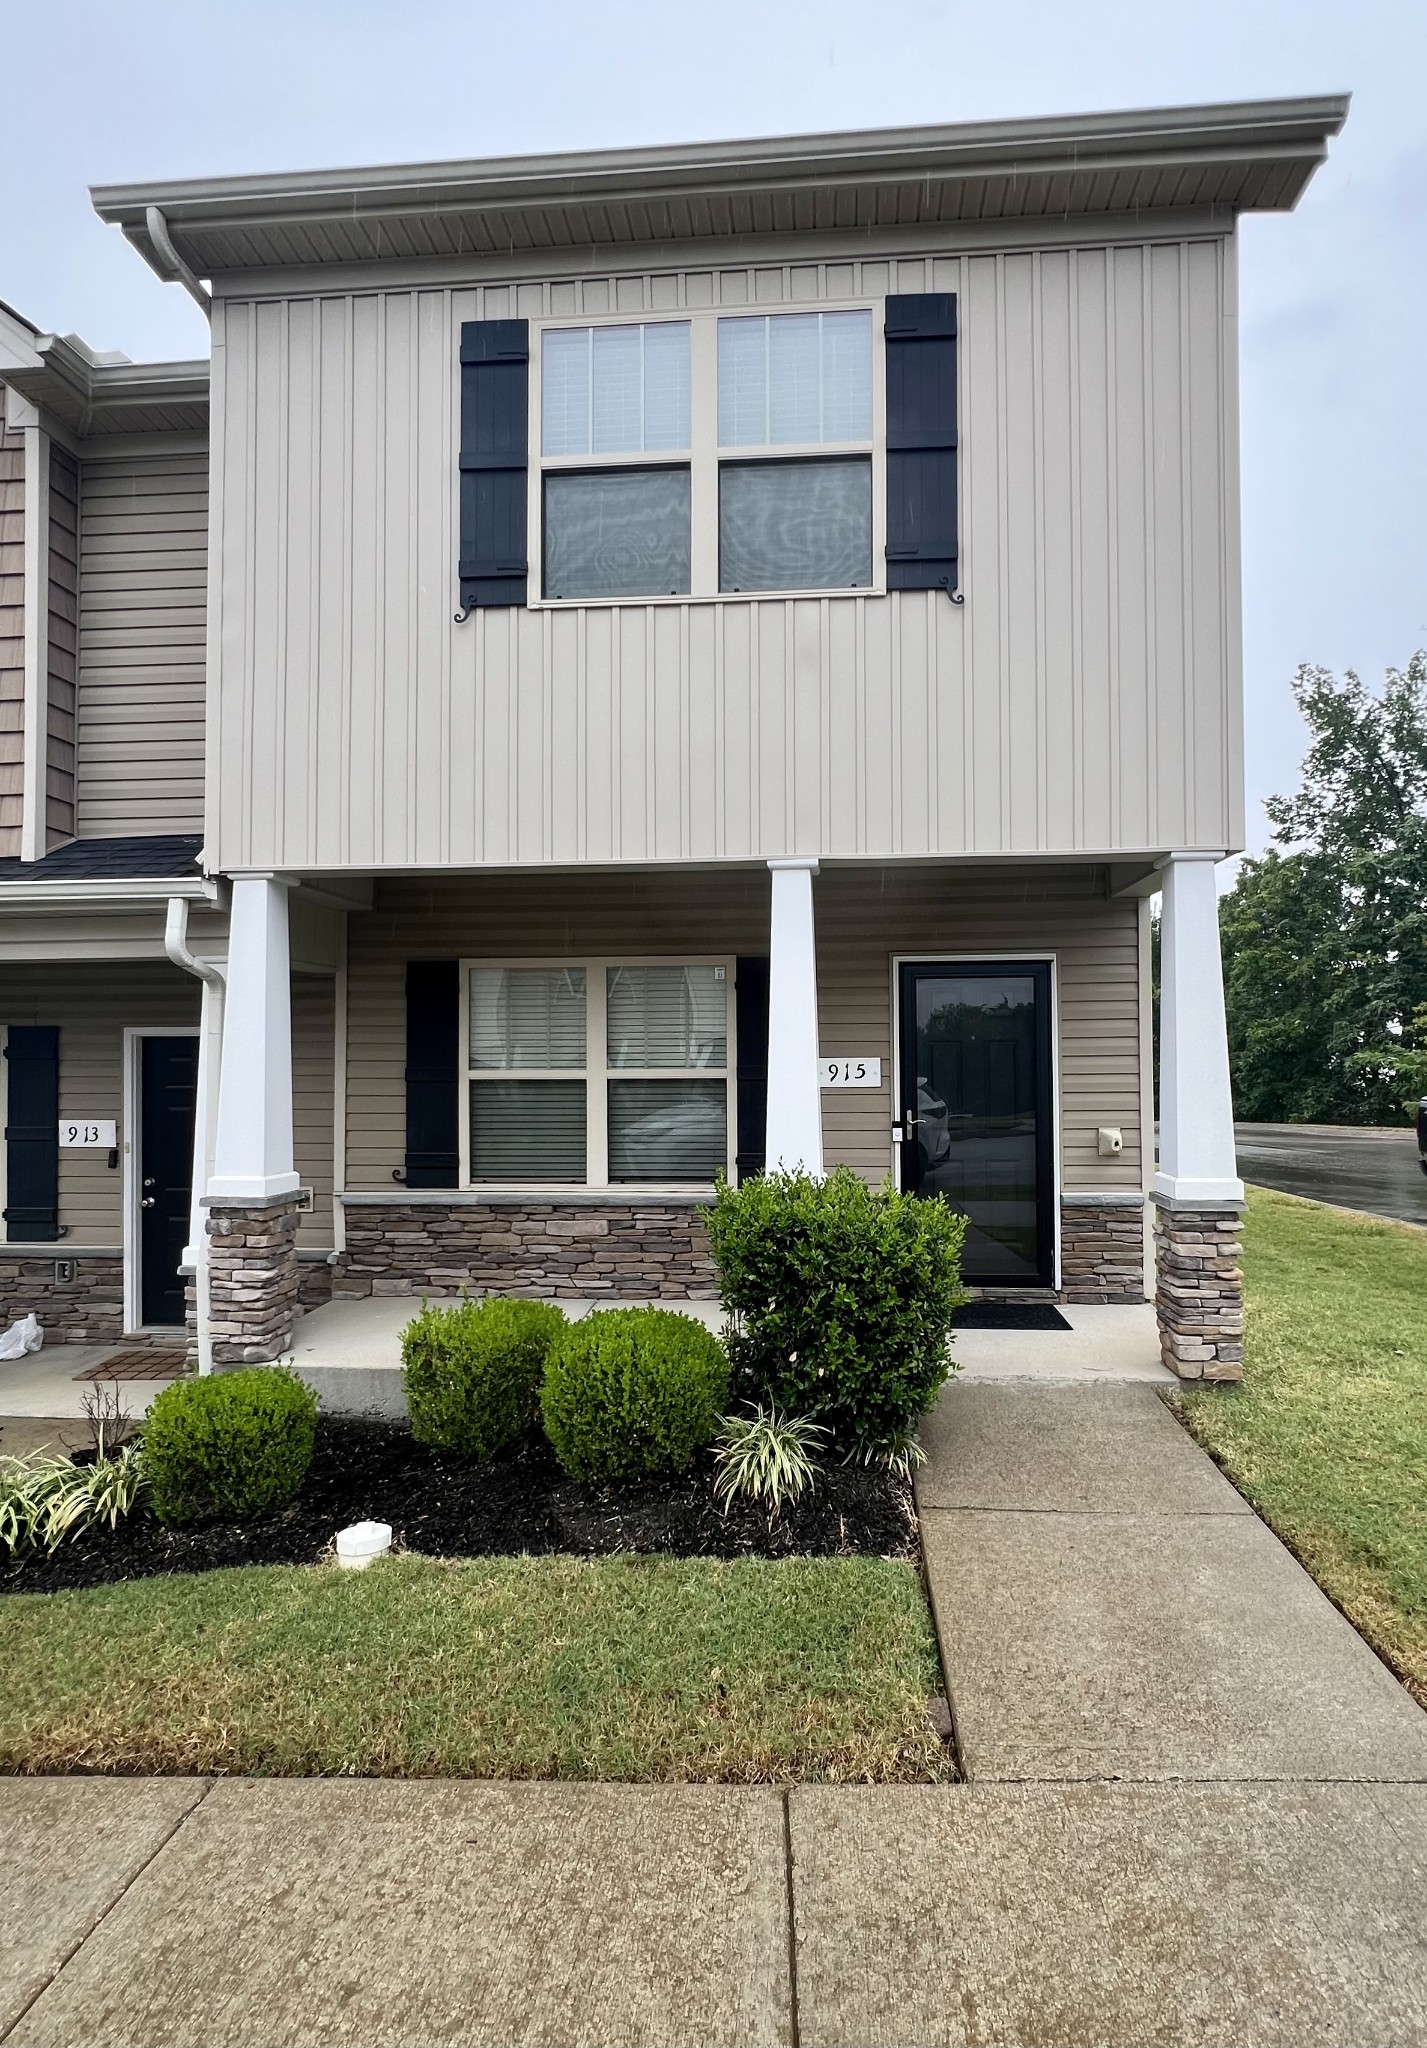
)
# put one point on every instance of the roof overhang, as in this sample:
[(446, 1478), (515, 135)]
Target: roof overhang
[(93, 398), (1252, 156)]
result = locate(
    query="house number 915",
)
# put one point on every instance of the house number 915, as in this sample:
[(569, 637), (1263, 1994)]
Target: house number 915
[(854, 1073)]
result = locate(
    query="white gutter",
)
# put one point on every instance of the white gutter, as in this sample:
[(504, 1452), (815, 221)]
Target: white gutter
[(210, 1047), (179, 271), (139, 891)]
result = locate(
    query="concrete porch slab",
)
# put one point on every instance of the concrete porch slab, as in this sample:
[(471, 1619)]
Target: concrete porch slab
[(68, 1849), (349, 1352), (1184, 1916), (1143, 1646), (1105, 1341), (1056, 1448), (44, 1384), (386, 1913)]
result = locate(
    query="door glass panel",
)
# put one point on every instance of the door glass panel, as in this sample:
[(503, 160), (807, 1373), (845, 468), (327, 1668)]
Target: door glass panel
[(974, 1127)]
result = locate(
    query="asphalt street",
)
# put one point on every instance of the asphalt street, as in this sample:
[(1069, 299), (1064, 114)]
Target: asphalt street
[(1375, 1170)]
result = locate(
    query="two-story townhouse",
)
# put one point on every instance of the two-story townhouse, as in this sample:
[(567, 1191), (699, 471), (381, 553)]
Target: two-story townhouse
[(710, 652)]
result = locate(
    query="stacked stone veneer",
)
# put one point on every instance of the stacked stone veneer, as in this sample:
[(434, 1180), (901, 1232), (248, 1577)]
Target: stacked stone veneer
[(641, 1251), (1199, 1292), (253, 1280), (87, 1309), (1102, 1252)]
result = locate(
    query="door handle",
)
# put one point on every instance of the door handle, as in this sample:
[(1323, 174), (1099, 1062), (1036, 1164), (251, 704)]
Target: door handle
[(147, 1202)]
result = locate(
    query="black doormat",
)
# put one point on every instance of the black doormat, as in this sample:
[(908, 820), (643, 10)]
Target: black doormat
[(1009, 1315)]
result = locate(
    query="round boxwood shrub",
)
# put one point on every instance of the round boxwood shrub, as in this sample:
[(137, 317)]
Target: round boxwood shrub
[(630, 1393), (840, 1298), (229, 1447), (472, 1372)]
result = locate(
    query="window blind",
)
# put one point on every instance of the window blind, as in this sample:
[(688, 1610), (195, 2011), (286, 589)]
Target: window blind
[(667, 1017), (527, 1017), (615, 390), (790, 379)]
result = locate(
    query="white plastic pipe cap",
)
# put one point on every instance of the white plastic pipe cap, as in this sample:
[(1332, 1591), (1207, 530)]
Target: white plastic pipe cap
[(357, 1546)]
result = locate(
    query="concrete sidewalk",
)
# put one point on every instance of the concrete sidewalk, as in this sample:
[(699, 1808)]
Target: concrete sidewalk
[(1196, 1814)]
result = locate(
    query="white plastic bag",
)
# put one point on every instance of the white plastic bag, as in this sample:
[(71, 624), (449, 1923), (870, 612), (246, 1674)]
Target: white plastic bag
[(22, 1338)]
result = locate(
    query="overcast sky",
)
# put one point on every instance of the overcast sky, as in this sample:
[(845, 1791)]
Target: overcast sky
[(1333, 298)]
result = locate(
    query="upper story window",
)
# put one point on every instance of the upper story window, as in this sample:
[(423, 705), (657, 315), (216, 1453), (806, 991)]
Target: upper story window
[(712, 454), (761, 430)]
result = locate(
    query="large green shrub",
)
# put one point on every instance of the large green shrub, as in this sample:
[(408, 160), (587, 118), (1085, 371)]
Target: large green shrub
[(632, 1392), (472, 1372), (231, 1446), (840, 1299)]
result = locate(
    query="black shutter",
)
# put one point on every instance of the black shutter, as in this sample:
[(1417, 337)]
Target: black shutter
[(750, 999), (921, 442), (495, 385), (433, 1025), (32, 1134)]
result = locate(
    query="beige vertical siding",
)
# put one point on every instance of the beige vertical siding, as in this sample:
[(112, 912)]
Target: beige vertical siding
[(865, 919), (313, 1021), (62, 668), (1084, 698), (143, 553), (93, 1005), (12, 636)]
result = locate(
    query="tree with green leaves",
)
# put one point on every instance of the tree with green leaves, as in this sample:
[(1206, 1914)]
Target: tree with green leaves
[(1325, 937)]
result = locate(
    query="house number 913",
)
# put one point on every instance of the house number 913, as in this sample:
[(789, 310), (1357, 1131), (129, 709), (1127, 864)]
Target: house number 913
[(853, 1073)]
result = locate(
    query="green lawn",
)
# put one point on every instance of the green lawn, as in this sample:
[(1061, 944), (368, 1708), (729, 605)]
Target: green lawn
[(625, 1668), (1328, 1434)]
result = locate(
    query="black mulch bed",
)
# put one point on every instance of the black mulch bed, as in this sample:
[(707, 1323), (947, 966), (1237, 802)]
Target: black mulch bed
[(522, 1502)]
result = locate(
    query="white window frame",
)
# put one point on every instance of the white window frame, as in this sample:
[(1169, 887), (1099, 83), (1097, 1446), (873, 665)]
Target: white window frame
[(597, 1075), (703, 458)]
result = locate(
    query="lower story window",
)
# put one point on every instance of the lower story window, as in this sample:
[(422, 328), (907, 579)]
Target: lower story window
[(597, 1073)]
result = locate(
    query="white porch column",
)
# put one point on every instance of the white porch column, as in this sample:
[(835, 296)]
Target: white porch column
[(1196, 1113), (252, 1159), (795, 1136)]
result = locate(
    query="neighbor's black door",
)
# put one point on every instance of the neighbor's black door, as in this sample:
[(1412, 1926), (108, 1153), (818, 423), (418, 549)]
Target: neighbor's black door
[(976, 1109), (168, 1095)]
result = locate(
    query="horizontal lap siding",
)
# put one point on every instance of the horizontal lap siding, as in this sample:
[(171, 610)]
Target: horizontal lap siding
[(1084, 697), (12, 636), (867, 919), (864, 918), (92, 1007), (63, 648), (143, 556), (502, 917), (313, 1015)]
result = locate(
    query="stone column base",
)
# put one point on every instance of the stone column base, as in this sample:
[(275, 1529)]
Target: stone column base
[(252, 1280), (1199, 1291)]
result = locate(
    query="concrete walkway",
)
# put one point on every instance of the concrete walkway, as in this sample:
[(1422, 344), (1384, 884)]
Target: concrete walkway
[(1196, 1814)]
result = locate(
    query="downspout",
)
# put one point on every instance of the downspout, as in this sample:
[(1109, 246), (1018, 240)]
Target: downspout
[(179, 272), (211, 1033)]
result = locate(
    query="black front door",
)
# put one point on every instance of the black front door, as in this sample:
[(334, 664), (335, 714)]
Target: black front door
[(976, 1109), (168, 1094)]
